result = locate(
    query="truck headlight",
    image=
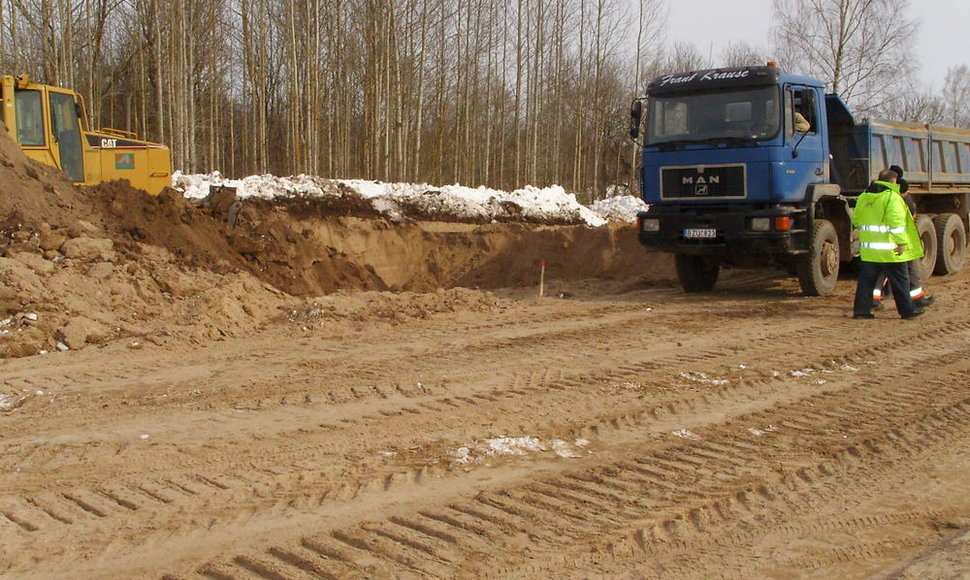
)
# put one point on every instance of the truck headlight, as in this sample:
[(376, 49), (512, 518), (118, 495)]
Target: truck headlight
[(649, 225), (760, 224)]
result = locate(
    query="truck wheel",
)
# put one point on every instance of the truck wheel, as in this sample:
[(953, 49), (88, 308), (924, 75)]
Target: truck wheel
[(818, 271), (951, 247), (696, 273), (927, 235)]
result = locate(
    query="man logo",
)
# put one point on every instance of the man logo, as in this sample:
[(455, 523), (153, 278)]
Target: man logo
[(700, 189), (700, 180)]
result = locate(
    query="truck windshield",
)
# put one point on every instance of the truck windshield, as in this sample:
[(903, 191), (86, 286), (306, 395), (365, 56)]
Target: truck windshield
[(711, 117)]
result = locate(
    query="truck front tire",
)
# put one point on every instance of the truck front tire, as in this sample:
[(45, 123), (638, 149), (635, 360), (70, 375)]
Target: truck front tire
[(818, 270), (951, 247), (696, 273)]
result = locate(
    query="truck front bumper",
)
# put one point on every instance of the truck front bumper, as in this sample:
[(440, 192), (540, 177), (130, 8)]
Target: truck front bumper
[(735, 233)]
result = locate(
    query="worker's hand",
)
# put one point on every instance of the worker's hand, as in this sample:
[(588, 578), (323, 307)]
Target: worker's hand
[(900, 249)]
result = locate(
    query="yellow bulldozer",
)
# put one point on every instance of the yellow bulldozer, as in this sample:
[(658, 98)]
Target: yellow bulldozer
[(51, 126)]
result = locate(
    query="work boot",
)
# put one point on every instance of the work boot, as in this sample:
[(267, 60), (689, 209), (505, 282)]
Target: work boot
[(914, 314), (924, 301)]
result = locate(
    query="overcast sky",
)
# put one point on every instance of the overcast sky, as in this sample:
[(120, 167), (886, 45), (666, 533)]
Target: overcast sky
[(943, 42)]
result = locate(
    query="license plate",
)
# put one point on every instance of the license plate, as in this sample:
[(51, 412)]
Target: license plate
[(700, 233)]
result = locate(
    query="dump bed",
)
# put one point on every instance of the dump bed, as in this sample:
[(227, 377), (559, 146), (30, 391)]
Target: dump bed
[(935, 159)]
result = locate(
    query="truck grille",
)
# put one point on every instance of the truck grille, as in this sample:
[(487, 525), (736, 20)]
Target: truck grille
[(703, 182)]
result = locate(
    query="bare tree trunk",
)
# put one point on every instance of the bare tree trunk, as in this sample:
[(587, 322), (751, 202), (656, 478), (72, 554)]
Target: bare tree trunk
[(520, 58), (581, 105), (159, 77)]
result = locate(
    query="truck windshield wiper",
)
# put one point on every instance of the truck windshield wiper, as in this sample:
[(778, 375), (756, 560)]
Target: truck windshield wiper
[(667, 145), (674, 143), (727, 140)]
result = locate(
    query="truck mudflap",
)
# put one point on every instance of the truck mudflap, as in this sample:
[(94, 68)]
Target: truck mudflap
[(735, 234)]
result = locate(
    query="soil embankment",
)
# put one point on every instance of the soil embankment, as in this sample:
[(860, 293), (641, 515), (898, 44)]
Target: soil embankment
[(88, 266)]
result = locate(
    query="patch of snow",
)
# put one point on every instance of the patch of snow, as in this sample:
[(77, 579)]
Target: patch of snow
[(513, 445), (9, 402), (622, 208), (504, 446), (762, 432), (699, 377), (474, 204), (564, 449), (685, 434), (461, 456)]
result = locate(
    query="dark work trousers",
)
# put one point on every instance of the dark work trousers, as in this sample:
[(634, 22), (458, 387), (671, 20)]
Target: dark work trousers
[(898, 274), (883, 283)]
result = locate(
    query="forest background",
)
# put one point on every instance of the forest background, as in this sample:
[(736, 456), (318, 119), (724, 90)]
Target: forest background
[(501, 93)]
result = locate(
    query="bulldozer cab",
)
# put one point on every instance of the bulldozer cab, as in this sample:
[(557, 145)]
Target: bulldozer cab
[(50, 125)]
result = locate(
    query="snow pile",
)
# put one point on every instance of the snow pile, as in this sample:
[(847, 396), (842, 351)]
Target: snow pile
[(399, 200), (622, 208), (260, 186)]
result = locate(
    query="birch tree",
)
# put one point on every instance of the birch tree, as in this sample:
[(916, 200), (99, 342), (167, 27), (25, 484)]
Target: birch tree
[(742, 54), (956, 96), (857, 47)]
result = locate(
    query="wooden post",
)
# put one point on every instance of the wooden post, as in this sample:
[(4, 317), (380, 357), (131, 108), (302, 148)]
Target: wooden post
[(542, 277)]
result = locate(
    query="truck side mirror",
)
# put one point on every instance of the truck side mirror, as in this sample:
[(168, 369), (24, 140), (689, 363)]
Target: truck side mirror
[(636, 114)]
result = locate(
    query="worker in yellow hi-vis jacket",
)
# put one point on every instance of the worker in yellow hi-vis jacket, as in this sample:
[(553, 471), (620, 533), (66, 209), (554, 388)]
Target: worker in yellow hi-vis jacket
[(888, 239)]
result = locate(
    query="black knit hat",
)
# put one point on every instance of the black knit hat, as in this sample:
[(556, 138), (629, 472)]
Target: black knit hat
[(897, 170)]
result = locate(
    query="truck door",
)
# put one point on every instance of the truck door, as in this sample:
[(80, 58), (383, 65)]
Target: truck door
[(805, 134), (67, 135)]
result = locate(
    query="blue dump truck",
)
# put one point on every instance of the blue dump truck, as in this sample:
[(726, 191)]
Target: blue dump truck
[(748, 167)]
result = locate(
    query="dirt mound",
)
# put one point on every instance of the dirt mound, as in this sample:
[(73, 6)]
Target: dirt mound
[(88, 266), (38, 206), (167, 220)]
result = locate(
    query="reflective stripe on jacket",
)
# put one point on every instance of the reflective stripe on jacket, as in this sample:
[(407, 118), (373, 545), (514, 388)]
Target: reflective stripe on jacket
[(884, 222)]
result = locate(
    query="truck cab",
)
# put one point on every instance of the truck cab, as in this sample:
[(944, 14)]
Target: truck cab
[(737, 171), (51, 127)]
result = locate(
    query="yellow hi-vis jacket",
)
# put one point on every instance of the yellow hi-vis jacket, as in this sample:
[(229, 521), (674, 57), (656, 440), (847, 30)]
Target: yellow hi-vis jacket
[(885, 222)]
